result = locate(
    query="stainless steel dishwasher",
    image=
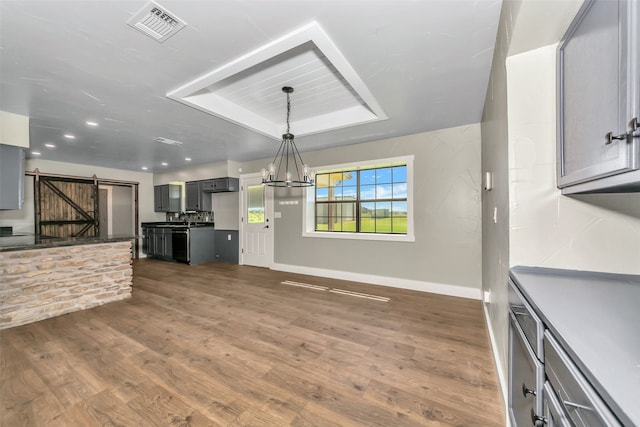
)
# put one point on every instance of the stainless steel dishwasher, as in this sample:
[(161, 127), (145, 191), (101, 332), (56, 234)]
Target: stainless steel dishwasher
[(180, 240)]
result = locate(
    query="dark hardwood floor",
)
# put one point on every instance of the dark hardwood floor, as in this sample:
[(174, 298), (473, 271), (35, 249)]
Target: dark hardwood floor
[(221, 344)]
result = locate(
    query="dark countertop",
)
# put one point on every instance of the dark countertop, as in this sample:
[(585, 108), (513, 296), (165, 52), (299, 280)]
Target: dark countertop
[(25, 241), (596, 319), (177, 224)]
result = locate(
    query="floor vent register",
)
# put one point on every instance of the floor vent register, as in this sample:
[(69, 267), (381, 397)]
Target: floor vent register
[(336, 291)]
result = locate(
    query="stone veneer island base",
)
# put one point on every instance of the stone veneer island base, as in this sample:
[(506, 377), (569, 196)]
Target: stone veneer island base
[(40, 283)]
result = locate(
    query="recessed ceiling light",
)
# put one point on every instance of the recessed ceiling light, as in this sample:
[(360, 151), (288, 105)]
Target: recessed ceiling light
[(165, 164), (188, 159), (69, 136), (144, 168), (90, 123), (50, 145), (36, 153)]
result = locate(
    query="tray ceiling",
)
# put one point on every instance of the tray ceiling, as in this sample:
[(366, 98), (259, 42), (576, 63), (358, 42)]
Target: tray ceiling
[(328, 94)]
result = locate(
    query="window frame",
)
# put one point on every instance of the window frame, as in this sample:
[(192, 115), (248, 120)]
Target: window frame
[(309, 203)]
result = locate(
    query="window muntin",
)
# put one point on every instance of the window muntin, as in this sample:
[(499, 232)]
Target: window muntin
[(372, 200)]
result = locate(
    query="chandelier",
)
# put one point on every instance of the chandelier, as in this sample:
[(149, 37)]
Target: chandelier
[(287, 168)]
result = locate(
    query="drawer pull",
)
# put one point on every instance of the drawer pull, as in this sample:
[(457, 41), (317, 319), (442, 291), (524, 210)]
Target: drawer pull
[(520, 310), (537, 420), (577, 405), (526, 391), (610, 137)]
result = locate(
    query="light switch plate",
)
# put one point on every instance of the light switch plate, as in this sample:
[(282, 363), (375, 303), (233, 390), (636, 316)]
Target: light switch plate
[(488, 181)]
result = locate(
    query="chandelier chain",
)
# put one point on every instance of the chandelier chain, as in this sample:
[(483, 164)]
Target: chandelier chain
[(288, 111)]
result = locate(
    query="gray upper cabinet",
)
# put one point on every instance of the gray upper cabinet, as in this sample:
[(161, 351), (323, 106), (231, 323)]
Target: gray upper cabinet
[(208, 185), (598, 99), (11, 177), (220, 185), (192, 199), (225, 184), (167, 198), (196, 198)]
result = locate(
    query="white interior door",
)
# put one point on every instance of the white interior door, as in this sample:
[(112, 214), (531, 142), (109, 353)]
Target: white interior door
[(256, 222)]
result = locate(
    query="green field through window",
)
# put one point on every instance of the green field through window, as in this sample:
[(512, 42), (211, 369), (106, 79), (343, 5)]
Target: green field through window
[(362, 201)]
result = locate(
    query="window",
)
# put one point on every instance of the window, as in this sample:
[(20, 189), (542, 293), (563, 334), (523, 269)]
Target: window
[(255, 204), (368, 200)]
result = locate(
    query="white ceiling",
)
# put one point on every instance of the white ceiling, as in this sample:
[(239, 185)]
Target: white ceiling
[(424, 64)]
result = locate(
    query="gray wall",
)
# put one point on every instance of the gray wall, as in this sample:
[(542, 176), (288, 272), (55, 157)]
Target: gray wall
[(495, 159), (122, 210), (447, 247)]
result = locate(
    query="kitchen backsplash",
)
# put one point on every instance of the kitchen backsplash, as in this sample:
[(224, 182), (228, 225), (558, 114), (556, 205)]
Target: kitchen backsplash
[(190, 217)]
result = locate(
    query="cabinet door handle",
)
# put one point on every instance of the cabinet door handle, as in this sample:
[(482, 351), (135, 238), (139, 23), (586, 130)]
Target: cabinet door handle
[(537, 420), (526, 390), (610, 137), (577, 405), (634, 125)]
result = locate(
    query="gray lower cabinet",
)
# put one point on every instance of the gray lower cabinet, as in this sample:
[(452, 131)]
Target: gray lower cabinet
[(167, 198), (157, 242), (202, 245), (599, 99), (11, 177), (584, 407), (573, 348), (227, 246)]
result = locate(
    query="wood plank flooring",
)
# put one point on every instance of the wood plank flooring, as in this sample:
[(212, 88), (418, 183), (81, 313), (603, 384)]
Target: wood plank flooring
[(227, 345)]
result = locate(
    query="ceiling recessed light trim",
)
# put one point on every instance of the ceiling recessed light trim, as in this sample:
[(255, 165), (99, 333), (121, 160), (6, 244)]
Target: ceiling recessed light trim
[(144, 168), (214, 92), (90, 123), (36, 153), (69, 136), (164, 164), (188, 159), (50, 145)]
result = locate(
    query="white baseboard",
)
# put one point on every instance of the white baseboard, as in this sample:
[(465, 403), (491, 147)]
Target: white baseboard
[(414, 285), (498, 363)]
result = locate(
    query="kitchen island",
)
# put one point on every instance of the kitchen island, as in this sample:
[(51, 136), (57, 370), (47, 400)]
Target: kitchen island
[(186, 242), (46, 277)]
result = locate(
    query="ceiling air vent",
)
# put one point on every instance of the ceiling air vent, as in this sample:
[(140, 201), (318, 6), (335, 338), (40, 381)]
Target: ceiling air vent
[(166, 141), (156, 22)]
